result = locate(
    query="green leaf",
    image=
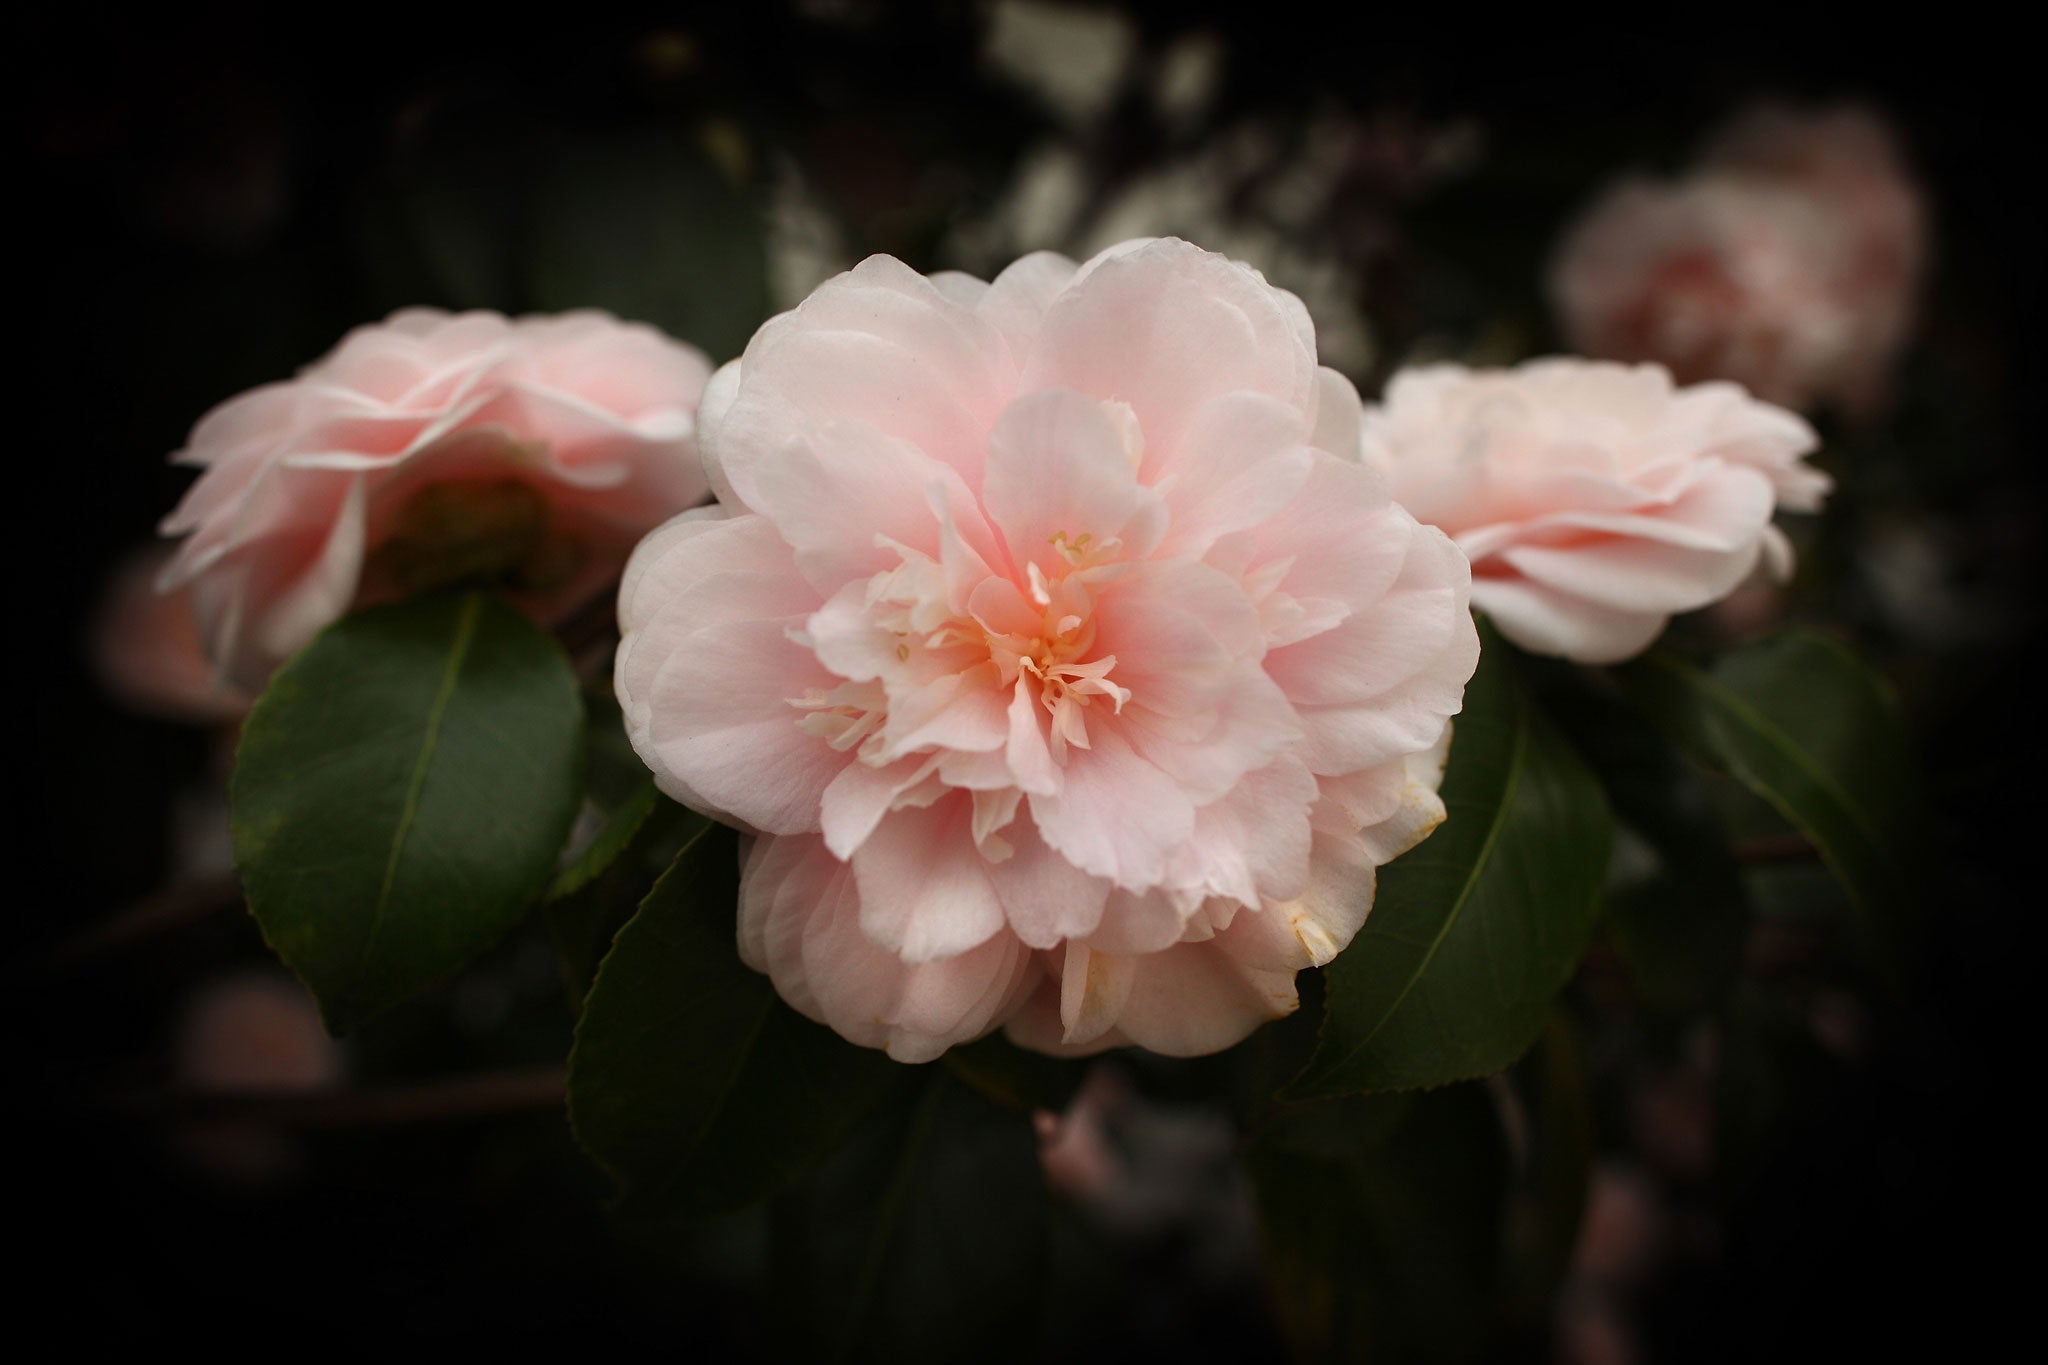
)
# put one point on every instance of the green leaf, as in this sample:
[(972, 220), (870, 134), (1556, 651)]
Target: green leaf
[(613, 773), (1473, 932), (1804, 724), (1382, 1221), (1676, 909), (611, 839), (400, 793), (690, 1082), (926, 1239), (584, 921)]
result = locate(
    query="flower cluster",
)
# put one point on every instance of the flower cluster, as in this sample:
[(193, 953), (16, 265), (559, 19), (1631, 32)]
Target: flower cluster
[(1071, 670), (1073, 646)]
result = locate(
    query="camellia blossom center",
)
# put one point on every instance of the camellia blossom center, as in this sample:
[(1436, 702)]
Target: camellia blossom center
[(1055, 656)]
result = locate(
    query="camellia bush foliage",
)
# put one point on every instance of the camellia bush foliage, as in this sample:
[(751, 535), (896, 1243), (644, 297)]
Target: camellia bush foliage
[(405, 792), (437, 766), (1028, 680)]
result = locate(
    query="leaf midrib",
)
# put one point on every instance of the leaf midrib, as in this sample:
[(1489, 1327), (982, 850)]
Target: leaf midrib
[(465, 633)]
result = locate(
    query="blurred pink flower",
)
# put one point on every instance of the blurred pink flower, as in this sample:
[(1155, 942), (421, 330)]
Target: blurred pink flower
[(428, 450), (255, 1032), (145, 647), (1845, 161), (1789, 264), (250, 1034), (1594, 500), (1069, 667)]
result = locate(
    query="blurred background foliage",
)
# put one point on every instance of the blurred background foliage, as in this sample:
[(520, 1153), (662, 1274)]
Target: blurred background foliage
[(1818, 1161)]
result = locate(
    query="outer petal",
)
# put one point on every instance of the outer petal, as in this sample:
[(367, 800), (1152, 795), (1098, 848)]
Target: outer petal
[(800, 923), (878, 345), (1115, 815), (1197, 998), (1165, 326), (925, 888), (1545, 621), (721, 734)]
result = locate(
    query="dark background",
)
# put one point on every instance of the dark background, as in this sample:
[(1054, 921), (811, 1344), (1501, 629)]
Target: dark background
[(200, 189)]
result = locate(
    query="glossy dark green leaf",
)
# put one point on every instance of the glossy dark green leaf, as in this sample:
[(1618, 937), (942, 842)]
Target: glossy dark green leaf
[(612, 838), (1473, 932), (652, 228), (925, 1239), (584, 919), (1807, 726), (400, 793), (1381, 1217), (690, 1083), (1676, 909), (613, 773)]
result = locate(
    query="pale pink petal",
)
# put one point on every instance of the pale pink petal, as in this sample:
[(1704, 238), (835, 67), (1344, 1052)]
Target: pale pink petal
[(1242, 459), (800, 919), (1545, 621), (924, 887), (1095, 989), (844, 494), (1045, 897), (1141, 922), (1252, 844), (1018, 297), (1164, 329), (1115, 815), (1339, 417), (1397, 638), (1196, 998), (1059, 478), (724, 735), (861, 795), (698, 571), (877, 345)]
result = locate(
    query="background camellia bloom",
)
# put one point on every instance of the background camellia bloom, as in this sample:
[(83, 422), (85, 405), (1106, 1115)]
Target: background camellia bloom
[(430, 450), (1846, 162), (1072, 672), (1594, 500), (145, 647), (1790, 263), (1716, 277)]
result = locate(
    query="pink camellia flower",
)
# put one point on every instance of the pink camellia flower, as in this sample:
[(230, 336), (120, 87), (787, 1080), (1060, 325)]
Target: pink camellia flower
[(145, 647), (1594, 500), (1846, 162), (1071, 671), (1790, 263), (429, 450), (1716, 277)]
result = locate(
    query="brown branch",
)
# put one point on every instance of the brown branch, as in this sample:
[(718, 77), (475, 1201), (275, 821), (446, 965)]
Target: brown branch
[(171, 907)]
